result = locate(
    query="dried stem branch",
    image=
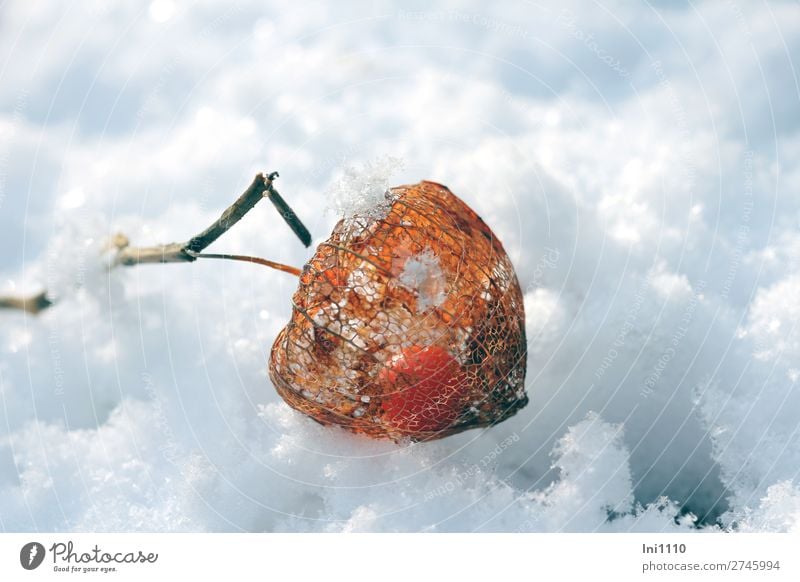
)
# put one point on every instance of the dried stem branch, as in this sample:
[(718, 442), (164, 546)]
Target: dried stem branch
[(186, 252), (258, 260), (191, 250), (33, 304)]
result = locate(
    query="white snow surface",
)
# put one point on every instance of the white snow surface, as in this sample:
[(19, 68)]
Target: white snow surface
[(640, 164)]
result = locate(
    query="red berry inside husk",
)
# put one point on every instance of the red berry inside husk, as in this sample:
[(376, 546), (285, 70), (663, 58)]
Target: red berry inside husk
[(430, 386)]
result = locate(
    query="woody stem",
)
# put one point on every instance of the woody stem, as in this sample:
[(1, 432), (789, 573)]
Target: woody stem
[(191, 250)]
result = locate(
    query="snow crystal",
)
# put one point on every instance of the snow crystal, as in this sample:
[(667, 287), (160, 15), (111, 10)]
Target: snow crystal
[(423, 275), (364, 192), (777, 511)]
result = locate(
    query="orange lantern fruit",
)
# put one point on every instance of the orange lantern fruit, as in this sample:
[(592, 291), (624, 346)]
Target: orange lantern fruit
[(408, 323)]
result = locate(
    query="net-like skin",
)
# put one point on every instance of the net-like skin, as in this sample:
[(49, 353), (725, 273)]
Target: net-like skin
[(406, 326)]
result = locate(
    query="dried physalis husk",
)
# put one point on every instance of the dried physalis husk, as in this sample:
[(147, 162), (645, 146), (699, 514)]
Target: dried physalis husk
[(408, 323)]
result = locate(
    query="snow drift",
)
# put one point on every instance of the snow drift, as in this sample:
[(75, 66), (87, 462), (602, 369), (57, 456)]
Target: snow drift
[(640, 167)]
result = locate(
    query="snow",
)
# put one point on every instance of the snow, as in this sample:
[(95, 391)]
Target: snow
[(423, 275), (364, 192), (642, 177)]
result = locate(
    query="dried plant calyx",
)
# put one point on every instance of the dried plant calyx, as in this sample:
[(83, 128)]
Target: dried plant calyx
[(408, 325)]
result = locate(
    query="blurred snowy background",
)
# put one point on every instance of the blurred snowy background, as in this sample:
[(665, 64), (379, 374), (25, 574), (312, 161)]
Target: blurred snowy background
[(641, 164)]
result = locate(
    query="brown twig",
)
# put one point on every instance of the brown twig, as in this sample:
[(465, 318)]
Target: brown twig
[(33, 304), (186, 252), (191, 250), (258, 260)]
